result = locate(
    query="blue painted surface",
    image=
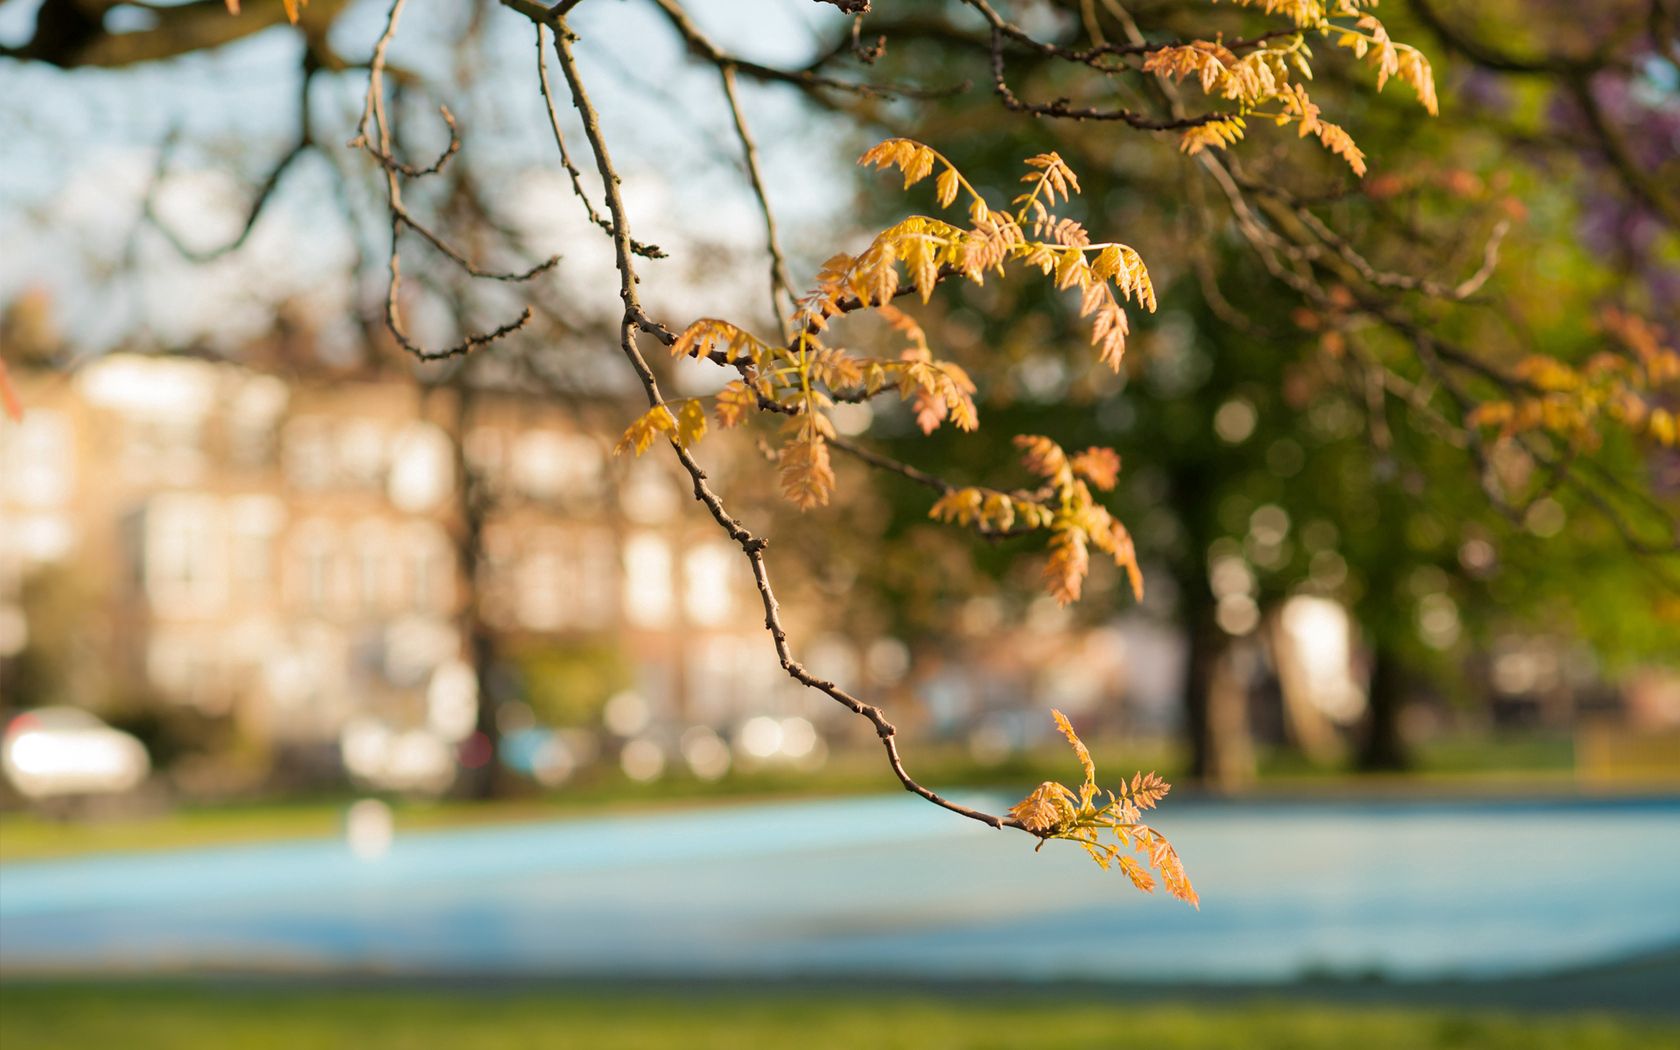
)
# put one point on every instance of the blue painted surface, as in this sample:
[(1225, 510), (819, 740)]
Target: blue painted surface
[(888, 886)]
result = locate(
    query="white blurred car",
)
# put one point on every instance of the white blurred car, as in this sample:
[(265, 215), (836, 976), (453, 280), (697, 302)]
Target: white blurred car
[(67, 751)]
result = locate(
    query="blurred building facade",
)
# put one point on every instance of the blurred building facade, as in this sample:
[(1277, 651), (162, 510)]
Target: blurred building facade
[(288, 555), (300, 560)]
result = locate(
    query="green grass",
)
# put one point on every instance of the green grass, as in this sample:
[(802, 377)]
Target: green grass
[(1481, 767), (243, 1017), (1532, 756)]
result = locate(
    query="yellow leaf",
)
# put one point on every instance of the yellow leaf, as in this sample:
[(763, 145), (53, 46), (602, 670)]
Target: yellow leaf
[(1041, 455), (807, 479), (1662, 426), (959, 505), (1042, 809), (1218, 134), (947, 187), (1070, 560), (710, 335), (912, 158), (1079, 748), (639, 435), (734, 402), (691, 423), (1139, 876), (998, 512), (1100, 466)]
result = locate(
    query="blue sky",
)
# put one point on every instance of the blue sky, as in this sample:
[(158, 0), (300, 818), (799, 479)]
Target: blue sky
[(83, 147)]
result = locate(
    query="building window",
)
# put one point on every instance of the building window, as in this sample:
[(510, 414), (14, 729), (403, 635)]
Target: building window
[(539, 464), (361, 453), (313, 561), (586, 467), (306, 449), (37, 459), (545, 588), (648, 584), (595, 556), (185, 550), (649, 495), (429, 566), (373, 567), (253, 523), (422, 468), (708, 576), (161, 449)]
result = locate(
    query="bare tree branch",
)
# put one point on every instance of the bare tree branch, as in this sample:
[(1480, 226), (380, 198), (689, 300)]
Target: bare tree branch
[(379, 147), (646, 251), (751, 545)]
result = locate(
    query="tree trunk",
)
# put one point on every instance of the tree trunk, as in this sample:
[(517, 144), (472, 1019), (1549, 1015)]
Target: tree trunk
[(472, 499), (1205, 644), (1383, 747), (487, 780), (1215, 705)]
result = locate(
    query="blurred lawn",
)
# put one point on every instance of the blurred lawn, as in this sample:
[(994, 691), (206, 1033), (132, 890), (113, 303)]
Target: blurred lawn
[(246, 1017), (1521, 766)]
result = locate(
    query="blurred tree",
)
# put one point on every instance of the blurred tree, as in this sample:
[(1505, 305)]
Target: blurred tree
[(52, 666), (1256, 401), (568, 685), (1187, 116)]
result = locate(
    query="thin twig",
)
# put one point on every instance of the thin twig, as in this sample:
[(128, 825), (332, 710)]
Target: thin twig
[(379, 146), (751, 545), (779, 280), (646, 251)]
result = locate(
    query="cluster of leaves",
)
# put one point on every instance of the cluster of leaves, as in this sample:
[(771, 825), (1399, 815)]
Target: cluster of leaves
[(803, 376), (1262, 83), (685, 426), (1056, 811), (1626, 387), (1063, 505)]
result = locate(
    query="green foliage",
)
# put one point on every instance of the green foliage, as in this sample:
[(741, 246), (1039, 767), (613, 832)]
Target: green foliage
[(567, 684), (1386, 506), (53, 667)]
